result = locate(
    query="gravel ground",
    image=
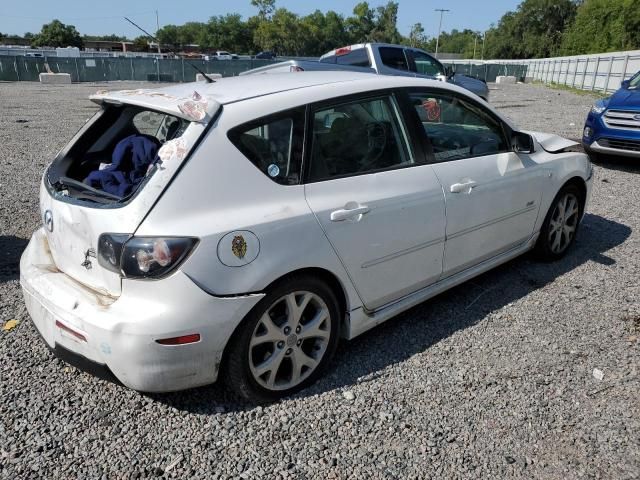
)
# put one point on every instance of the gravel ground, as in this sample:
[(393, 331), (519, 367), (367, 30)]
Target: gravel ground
[(494, 379)]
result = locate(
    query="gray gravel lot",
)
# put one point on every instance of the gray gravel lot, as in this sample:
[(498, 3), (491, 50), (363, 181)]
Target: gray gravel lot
[(493, 379)]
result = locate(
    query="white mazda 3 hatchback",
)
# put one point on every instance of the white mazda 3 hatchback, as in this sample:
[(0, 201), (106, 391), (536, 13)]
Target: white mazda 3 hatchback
[(240, 228)]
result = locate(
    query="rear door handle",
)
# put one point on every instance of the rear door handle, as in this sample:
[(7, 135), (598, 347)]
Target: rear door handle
[(348, 213), (466, 187)]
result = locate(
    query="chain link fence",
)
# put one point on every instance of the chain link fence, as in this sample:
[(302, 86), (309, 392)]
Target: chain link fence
[(83, 69)]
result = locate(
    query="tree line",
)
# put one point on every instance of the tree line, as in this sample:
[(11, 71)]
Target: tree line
[(536, 29)]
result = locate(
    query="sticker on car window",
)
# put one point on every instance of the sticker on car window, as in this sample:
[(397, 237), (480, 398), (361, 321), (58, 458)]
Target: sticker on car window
[(273, 170), (432, 109)]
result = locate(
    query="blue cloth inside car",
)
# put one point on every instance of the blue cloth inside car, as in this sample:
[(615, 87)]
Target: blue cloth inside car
[(130, 162)]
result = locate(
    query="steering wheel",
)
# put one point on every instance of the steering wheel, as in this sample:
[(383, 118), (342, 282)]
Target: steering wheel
[(377, 139)]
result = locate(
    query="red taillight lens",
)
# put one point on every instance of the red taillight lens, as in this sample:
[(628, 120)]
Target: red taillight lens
[(342, 51), (182, 340)]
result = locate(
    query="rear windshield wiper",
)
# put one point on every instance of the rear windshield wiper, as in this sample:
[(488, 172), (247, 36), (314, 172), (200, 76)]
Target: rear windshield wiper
[(83, 187)]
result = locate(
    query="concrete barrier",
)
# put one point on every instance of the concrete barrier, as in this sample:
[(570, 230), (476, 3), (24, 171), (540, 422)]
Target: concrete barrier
[(212, 76), (55, 78), (506, 80)]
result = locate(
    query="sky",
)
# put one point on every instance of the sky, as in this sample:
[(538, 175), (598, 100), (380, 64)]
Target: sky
[(105, 17)]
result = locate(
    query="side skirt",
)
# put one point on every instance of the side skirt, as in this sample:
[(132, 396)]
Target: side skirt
[(361, 320)]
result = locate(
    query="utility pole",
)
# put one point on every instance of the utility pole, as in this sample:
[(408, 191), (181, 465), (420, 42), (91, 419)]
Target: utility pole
[(475, 43), (441, 10), (158, 28)]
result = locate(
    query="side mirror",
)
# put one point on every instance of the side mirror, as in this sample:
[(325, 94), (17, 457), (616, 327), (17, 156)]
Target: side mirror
[(625, 84), (522, 143)]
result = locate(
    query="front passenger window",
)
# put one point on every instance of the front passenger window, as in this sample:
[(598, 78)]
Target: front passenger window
[(458, 129), (357, 137)]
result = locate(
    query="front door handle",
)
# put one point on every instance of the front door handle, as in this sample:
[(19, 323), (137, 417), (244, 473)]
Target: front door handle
[(349, 213), (466, 186)]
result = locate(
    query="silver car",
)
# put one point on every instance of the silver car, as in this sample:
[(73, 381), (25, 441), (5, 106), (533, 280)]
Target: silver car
[(240, 228)]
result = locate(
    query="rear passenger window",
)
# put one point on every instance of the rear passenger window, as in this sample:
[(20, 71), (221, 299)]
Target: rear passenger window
[(394, 58), (274, 145), (458, 129), (356, 138)]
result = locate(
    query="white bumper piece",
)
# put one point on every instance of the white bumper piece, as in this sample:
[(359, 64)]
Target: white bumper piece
[(121, 333)]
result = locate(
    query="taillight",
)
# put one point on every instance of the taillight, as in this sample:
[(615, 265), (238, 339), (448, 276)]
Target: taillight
[(143, 257), (342, 51)]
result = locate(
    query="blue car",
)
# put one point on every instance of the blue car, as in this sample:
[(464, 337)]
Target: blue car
[(613, 124)]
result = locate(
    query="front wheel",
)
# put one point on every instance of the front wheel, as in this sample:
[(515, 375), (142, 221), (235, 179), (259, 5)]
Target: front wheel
[(560, 226), (285, 342)]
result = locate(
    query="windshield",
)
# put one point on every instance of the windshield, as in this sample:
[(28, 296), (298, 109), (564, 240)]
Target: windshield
[(635, 82)]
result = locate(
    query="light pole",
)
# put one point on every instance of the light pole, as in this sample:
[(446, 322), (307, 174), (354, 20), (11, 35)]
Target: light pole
[(441, 10)]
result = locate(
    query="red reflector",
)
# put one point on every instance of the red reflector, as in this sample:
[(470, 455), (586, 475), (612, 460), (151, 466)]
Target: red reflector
[(69, 330), (193, 338), (342, 51), (296, 68)]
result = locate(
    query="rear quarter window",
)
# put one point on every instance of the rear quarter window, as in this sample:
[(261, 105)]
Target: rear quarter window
[(274, 145)]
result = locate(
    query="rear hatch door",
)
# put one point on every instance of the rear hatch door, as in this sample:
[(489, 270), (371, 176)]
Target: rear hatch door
[(73, 224)]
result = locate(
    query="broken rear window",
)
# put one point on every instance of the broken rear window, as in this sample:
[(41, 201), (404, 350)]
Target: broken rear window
[(113, 156)]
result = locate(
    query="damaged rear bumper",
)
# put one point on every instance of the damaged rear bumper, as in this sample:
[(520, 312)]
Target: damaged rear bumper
[(119, 335)]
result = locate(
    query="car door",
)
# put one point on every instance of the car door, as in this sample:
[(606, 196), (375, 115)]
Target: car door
[(492, 194), (381, 208)]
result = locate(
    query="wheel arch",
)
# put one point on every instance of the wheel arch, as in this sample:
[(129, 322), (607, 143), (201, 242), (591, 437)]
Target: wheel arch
[(580, 184), (332, 281)]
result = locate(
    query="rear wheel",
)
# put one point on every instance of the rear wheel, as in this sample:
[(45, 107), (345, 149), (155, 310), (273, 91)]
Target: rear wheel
[(285, 342), (560, 226)]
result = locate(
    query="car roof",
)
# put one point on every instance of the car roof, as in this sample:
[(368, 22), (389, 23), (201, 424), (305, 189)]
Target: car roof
[(228, 90)]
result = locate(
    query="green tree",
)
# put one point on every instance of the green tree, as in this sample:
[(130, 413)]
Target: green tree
[(417, 38), (266, 8), (361, 24), (168, 36), (141, 44), (535, 29), (104, 38), (321, 32), (228, 32), (385, 29), (57, 34), (280, 34), (604, 26)]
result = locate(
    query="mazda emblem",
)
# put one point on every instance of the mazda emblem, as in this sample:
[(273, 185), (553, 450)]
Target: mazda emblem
[(637, 117), (48, 220)]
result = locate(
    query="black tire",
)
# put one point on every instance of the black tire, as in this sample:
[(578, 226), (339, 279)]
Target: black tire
[(545, 247), (240, 359)]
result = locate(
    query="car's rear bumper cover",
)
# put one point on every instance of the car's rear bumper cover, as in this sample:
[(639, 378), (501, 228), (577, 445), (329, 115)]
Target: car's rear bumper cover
[(120, 333)]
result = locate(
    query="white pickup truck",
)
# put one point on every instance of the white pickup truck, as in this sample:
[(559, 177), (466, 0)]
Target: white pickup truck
[(383, 59)]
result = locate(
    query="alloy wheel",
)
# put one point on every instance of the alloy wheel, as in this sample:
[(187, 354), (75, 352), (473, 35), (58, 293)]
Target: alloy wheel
[(290, 340), (563, 223)]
